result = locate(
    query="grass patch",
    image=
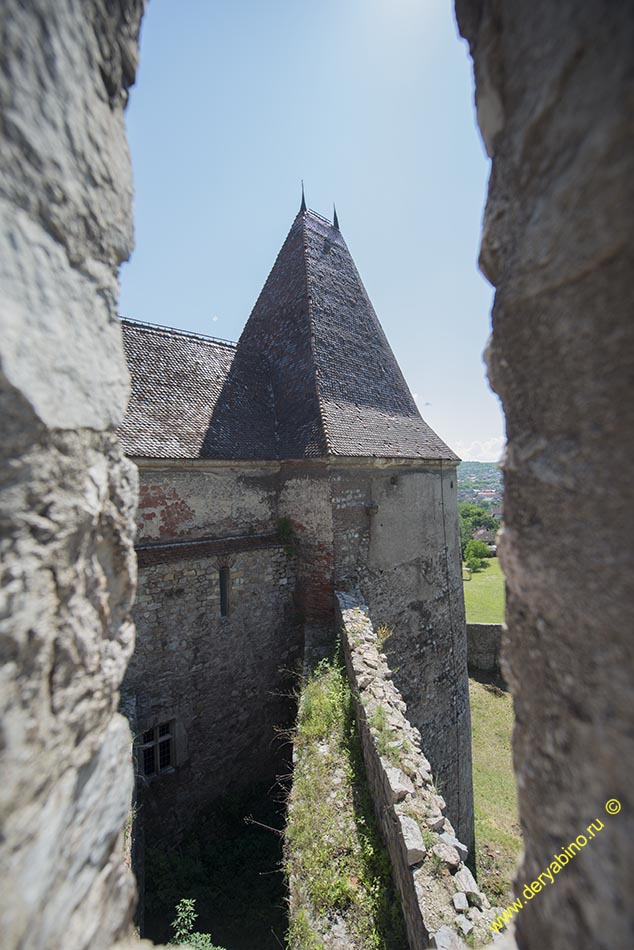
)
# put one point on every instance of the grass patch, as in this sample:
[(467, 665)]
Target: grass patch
[(333, 851), (484, 595), (497, 831)]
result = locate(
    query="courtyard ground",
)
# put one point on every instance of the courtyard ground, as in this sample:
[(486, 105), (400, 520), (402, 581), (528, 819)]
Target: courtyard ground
[(497, 831), (484, 594)]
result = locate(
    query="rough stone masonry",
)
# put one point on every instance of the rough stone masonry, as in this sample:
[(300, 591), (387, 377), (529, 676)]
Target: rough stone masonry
[(554, 94), (67, 494)]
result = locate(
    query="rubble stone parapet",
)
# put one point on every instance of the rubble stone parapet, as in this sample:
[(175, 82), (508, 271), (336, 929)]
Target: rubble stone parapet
[(438, 892)]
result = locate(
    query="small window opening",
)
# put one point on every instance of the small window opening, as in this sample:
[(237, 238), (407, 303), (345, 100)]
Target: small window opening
[(157, 749), (225, 579)]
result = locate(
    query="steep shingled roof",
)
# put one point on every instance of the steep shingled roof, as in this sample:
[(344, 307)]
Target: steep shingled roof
[(312, 374), (194, 397), (338, 388)]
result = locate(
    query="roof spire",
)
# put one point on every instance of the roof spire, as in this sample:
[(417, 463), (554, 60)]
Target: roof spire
[(302, 207), (335, 219)]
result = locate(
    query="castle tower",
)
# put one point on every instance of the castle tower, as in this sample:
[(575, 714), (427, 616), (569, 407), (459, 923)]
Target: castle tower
[(306, 421), (376, 484)]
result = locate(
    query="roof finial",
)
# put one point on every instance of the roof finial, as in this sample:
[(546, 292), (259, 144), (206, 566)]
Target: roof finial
[(303, 204), (335, 219)]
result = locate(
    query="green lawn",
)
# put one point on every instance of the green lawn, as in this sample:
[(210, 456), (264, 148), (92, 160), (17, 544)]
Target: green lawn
[(484, 594), (497, 832)]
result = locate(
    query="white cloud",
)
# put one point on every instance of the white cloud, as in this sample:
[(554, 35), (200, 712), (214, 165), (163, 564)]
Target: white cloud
[(489, 450)]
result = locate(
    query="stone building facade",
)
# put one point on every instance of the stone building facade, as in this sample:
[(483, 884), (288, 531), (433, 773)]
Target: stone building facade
[(273, 472)]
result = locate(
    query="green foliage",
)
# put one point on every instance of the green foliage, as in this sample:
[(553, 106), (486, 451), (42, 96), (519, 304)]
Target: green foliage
[(429, 838), (475, 564), (301, 935), (183, 925), (332, 843), (322, 704), (484, 595), (383, 634), (476, 554), (472, 517), (384, 736), (476, 549)]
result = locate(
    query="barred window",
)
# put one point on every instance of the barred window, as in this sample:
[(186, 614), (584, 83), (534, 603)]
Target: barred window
[(157, 749)]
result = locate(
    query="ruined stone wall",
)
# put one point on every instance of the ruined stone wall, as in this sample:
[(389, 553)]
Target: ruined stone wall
[(554, 87), (224, 682), (441, 901), (67, 495), (396, 540)]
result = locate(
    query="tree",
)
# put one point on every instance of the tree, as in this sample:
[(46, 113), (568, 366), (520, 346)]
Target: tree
[(472, 517)]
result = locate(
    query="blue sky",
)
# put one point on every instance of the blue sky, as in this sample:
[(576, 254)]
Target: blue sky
[(371, 103)]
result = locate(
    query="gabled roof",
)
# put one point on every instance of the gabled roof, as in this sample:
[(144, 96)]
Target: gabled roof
[(312, 374), (193, 397)]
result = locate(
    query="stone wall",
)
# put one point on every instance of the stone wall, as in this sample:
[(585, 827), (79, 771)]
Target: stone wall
[(396, 540), (440, 899), (483, 646), (554, 87), (390, 528), (67, 495), (304, 500), (224, 683)]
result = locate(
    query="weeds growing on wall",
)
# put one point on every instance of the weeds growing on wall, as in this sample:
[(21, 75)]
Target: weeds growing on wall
[(383, 634), (333, 849)]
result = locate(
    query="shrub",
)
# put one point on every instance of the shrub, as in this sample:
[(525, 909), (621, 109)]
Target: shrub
[(476, 564), (183, 925), (476, 549)]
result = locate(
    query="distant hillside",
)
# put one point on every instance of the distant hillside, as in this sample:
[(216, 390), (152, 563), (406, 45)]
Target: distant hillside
[(477, 479)]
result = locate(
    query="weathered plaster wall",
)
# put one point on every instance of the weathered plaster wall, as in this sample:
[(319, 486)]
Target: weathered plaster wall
[(201, 499), (440, 899), (554, 87), (67, 496), (396, 540), (225, 681)]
